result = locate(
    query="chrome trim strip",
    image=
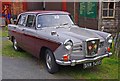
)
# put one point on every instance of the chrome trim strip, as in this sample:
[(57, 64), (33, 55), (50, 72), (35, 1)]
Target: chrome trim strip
[(67, 41), (74, 51), (74, 62), (91, 39), (108, 36)]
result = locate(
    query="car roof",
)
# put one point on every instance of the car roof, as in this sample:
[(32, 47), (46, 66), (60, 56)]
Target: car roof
[(46, 12)]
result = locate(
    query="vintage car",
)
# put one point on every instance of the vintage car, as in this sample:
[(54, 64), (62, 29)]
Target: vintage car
[(53, 36)]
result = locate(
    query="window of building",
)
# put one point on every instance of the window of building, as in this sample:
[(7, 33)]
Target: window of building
[(108, 9)]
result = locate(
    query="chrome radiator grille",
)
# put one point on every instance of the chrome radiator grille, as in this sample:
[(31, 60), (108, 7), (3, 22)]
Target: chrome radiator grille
[(92, 47)]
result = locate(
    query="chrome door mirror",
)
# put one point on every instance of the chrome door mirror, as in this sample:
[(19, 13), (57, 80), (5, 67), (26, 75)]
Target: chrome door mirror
[(39, 26), (15, 20)]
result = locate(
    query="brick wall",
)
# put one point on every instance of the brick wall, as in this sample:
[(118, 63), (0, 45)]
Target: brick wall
[(111, 25), (31, 6), (53, 6), (118, 25)]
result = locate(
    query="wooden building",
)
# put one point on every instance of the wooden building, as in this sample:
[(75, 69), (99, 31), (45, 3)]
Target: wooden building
[(109, 18), (94, 15)]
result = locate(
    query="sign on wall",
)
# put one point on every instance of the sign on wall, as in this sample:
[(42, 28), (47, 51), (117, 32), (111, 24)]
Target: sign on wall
[(88, 9)]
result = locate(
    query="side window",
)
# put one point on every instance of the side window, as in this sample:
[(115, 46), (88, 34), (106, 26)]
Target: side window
[(30, 21), (22, 20)]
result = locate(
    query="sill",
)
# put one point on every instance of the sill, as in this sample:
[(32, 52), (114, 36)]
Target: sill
[(108, 17)]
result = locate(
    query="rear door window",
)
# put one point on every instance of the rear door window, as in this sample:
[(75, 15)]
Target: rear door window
[(30, 21)]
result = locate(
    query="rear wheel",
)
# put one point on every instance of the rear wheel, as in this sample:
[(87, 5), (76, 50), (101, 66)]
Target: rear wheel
[(51, 65), (15, 45)]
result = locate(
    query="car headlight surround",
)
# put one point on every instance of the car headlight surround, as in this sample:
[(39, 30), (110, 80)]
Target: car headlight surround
[(68, 44), (109, 38)]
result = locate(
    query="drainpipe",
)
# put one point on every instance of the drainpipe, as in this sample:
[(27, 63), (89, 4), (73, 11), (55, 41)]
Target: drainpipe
[(74, 13), (100, 15), (43, 5), (64, 5)]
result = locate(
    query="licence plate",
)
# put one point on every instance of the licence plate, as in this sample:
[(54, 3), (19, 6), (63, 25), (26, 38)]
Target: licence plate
[(90, 64)]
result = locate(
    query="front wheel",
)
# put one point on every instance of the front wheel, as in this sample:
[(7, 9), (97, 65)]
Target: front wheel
[(51, 65)]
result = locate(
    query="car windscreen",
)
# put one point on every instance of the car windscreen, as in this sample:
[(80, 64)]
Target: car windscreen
[(50, 20)]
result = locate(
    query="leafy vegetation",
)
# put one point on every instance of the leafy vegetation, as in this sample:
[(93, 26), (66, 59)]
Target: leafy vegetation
[(4, 32), (107, 70)]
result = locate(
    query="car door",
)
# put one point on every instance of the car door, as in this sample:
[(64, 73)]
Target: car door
[(18, 29), (29, 35)]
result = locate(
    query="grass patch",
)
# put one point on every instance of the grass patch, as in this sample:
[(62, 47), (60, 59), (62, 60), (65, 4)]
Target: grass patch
[(107, 70), (4, 32), (7, 50), (0, 32)]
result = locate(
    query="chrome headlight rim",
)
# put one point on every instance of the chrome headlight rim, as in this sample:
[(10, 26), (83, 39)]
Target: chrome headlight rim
[(68, 44), (109, 38)]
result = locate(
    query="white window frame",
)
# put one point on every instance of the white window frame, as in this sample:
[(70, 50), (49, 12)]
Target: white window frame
[(108, 9)]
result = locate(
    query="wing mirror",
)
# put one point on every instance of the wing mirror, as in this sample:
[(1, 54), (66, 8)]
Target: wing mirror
[(15, 20), (39, 26)]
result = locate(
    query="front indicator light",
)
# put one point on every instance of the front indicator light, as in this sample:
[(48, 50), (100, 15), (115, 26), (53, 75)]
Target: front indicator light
[(108, 49), (65, 57)]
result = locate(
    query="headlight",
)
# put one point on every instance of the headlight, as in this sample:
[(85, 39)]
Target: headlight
[(110, 40), (68, 44)]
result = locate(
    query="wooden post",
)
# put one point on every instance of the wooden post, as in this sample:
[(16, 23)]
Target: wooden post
[(24, 6), (64, 5)]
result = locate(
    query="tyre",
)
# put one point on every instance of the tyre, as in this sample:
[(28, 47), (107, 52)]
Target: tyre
[(51, 65), (15, 45)]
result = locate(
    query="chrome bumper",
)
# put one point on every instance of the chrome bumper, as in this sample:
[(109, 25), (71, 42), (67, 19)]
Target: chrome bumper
[(74, 62)]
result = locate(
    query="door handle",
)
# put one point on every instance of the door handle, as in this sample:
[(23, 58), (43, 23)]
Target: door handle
[(14, 27), (23, 29)]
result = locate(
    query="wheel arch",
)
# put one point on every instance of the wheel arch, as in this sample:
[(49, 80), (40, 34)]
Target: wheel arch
[(42, 52)]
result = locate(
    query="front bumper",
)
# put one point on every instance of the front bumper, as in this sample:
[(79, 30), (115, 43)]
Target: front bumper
[(74, 62)]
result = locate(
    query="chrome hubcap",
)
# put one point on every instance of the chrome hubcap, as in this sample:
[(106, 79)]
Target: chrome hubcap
[(48, 61), (15, 44)]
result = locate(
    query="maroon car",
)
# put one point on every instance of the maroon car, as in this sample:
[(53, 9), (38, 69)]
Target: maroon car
[(53, 35)]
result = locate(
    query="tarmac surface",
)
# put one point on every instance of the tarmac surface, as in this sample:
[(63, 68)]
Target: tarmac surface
[(27, 68)]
